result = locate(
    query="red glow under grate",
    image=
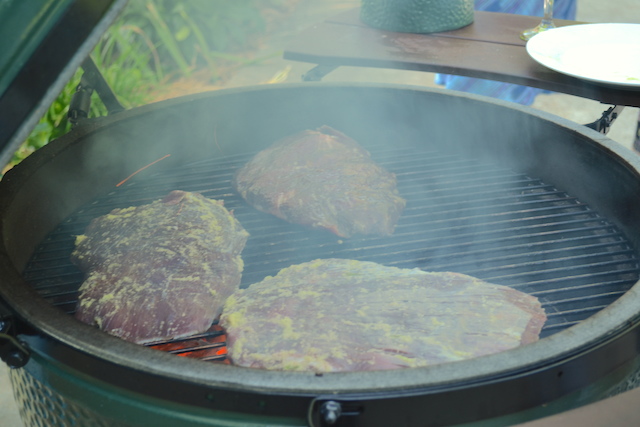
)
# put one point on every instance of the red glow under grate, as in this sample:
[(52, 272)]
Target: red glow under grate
[(210, 345)]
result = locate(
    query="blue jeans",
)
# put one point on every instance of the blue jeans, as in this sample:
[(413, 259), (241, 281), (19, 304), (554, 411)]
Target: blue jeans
[(563, 9)]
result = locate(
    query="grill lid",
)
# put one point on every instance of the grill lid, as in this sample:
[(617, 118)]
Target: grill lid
[(42, 43)]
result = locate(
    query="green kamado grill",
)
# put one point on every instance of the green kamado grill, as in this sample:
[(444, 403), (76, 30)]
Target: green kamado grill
[(499, 191)]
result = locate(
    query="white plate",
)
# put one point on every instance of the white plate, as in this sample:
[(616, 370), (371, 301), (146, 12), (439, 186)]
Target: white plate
[(602, 53)]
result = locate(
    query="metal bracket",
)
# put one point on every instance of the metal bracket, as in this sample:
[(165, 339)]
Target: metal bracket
[(603, 124), (318, 72), (12, 352), (329, 412), (92, 80)]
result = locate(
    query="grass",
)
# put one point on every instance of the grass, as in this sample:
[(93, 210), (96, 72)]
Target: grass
[(157, 42)]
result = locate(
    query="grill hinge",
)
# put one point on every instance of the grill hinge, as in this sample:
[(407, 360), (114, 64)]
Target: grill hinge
[(12, 352), (603, 124), (92, 80)]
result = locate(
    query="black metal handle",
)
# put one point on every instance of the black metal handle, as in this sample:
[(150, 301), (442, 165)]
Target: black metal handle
[(12, 351)]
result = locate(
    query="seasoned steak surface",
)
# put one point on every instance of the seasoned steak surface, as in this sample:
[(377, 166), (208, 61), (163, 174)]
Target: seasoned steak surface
[(322, 179), (343, 315), (159, 271)]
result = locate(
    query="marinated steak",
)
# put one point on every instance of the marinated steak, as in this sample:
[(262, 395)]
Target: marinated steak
[(322, 179), (159, 271), (336, 315)]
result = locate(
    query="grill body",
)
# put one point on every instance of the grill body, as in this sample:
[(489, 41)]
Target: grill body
[(596, 185), (49, 393)]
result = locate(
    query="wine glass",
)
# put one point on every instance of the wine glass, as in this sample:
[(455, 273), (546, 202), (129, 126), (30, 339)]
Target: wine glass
[(546, 24)]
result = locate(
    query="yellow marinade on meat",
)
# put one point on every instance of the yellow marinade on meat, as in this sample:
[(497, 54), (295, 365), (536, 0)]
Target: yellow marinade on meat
[(341, 315)]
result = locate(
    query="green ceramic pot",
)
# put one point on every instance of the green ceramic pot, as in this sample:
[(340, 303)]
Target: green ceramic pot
[(417, 16)]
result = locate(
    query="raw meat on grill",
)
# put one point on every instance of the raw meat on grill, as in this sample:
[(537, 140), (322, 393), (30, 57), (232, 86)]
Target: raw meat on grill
[(322, 179), (161, 270), (335, 315)]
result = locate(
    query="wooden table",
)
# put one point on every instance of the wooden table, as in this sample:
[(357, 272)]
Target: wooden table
[(489, 48)]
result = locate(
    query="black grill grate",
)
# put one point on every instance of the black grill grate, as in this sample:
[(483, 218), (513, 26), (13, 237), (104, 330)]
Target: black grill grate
[(462, 215)]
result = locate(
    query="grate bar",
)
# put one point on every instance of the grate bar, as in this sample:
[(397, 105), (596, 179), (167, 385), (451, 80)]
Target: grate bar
[(462, 215), (197, 348), (453, 246)]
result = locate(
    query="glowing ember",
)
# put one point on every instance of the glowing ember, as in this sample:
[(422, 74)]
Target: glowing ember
[(210, 345)]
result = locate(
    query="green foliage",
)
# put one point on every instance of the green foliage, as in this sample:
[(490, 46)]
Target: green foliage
[(186, 35), (53, 125), (155, 41), (127, 60)]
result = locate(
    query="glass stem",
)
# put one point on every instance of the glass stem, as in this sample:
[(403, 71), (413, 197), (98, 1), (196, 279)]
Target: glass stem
[(547, 19)]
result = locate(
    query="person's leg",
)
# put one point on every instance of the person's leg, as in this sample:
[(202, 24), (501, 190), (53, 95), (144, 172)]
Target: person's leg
[(563, 9)]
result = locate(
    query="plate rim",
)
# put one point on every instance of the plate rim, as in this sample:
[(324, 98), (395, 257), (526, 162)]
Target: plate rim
[(535, 41)]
